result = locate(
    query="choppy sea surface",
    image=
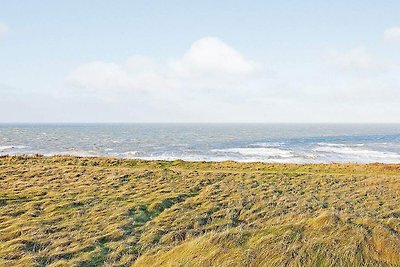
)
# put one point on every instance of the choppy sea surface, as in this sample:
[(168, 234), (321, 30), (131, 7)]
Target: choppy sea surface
[(285, 143)]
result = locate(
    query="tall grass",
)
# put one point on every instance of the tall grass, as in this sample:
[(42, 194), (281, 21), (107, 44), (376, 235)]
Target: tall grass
[(71, 211)]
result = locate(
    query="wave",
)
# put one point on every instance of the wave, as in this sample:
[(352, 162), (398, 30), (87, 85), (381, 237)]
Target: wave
[(76, 152), (255, 152), (11, 147), (339, 145), (357, 154), (266, 144), (130, 153), (222, 158), (265, 152)]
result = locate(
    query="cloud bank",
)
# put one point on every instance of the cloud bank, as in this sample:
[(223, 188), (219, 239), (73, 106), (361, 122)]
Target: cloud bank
[(208, 59), (213, 81), (104, 76)]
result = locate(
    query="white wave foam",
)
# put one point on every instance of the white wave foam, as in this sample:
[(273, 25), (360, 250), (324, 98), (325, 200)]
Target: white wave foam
[(4, 148), (172, 158), (356, 154), (131, 153), (266, 144), (223, 158), (264, 152), (339, 145), (74, 152)]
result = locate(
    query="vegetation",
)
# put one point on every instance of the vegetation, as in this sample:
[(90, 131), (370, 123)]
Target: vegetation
[(72, 211)]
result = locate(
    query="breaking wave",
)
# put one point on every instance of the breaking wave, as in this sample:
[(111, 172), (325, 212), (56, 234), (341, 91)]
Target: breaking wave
[(356, 153)]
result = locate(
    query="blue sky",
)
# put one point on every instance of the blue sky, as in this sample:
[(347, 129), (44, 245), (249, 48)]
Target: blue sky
[(199, 61)]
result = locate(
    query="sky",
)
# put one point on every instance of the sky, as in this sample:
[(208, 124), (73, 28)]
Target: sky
[(200, 61)]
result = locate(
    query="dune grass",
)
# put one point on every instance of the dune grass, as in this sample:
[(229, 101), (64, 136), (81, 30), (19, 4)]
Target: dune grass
[(72, 211)]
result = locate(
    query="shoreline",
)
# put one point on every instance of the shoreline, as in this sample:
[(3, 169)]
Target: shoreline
[(225, 166), (37, 155)]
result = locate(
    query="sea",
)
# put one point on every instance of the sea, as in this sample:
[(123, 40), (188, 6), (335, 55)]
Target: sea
[(278, 143)]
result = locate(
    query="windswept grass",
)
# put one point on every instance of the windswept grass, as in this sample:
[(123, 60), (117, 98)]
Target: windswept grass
[(71, 211)]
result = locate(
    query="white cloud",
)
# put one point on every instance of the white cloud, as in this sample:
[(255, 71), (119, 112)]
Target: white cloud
[(212, 57), (356, 59), (104, 76), (208, 64), (3, 29), (392, 34), (141, 63), (214, 82), (100, 75)]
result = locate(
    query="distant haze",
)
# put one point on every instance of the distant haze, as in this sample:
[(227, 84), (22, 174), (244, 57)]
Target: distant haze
[(200, 61)]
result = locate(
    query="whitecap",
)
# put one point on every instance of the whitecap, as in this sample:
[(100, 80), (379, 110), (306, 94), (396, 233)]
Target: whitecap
[(339, 145), (355, 154), (266, 144), (268, 152), (4, 148)]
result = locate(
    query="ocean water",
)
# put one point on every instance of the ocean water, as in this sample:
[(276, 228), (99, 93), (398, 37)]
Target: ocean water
[(285, 143)]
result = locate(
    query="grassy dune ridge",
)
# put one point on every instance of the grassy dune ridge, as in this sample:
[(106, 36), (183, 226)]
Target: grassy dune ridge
[(76, 211)]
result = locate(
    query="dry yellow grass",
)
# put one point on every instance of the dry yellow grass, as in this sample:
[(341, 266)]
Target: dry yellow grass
[(71, 211)]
